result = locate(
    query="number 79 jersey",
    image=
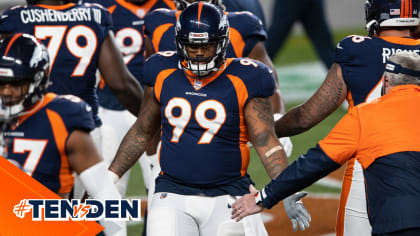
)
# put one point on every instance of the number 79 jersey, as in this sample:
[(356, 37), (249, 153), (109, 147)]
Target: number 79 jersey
[(204, 133), (73, 35)]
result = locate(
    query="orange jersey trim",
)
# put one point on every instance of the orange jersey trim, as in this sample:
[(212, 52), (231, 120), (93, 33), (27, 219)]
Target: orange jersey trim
[(403, 41), (158, 34), (60, 135), (159, 81), (56, 7), (345, 191), (38, 106), (112, 8), (205, 81), (237, 42), (146, 7), (242, 96), (350, 101)]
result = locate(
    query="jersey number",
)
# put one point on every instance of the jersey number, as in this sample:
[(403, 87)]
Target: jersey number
[(59, 33), (136, 42), (34, 147), (211, 125)]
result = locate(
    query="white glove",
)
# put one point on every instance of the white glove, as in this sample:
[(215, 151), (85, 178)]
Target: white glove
[(287, 144), (285, 141), (296, 212)]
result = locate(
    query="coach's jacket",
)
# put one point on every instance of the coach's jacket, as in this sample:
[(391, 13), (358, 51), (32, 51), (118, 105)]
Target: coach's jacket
[(384, 136)]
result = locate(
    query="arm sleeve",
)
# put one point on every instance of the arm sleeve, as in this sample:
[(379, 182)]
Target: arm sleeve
[(331, 152), (303, 172)]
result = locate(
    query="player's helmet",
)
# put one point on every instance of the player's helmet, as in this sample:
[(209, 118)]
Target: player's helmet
[(182, 4), (391, 13), (202, 23), (24, 59)]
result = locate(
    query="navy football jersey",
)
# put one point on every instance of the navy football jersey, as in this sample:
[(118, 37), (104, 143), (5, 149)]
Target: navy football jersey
[(128, 29), (204, 133), (38, 141), (245, 31), (362, 60), (73, 35)]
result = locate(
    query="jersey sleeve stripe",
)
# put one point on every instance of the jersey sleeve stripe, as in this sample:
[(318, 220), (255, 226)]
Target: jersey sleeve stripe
[(159, 81), (47, 99), (345, 191), (242, 96), (158, 34), (60, 136), (237, 42)]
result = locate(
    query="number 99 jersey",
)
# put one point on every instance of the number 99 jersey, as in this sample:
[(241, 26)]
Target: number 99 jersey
[(204, 133), (73, 35)]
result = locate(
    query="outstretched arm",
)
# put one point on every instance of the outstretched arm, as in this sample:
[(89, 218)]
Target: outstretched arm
[(260, 54), (116, 75), (135, 141), (325, 100)]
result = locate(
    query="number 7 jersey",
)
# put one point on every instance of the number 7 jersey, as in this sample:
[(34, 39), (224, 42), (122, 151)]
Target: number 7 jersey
[(73, 35), (204, 132)]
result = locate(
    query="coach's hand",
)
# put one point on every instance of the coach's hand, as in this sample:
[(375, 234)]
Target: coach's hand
[(245, 205), (296, 212)]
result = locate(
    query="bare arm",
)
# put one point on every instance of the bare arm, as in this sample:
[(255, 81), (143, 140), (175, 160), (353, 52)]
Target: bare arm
[(325, 101), (135, 141), (81, 151), (117, 77), (259, 119), (149, 47), (260, 54)]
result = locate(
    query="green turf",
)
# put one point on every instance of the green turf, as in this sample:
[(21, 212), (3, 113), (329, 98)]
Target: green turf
[(298, 48)]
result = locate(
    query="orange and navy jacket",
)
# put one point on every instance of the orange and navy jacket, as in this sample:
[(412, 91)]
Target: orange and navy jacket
[(204, 135), (128, 19), (246, 30), (38, 141), (384, 137), (73, 35)]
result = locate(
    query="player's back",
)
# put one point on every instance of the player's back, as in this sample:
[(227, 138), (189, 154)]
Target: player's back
[(128, 22), (38, 142), (204, 134), (73, 35), (245, 31), (362, 60)]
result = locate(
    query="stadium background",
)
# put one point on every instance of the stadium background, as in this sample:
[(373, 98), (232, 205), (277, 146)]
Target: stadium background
[(300, 74)]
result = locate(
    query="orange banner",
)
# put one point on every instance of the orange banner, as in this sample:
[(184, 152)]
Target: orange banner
[(16, 218)]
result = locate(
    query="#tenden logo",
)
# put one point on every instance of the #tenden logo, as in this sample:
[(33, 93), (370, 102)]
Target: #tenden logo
[(90, 210)]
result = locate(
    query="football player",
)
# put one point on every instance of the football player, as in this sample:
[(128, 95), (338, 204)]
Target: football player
[(208, 108), (356, 76), (246, 37), (48, 134), (79, 40)]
